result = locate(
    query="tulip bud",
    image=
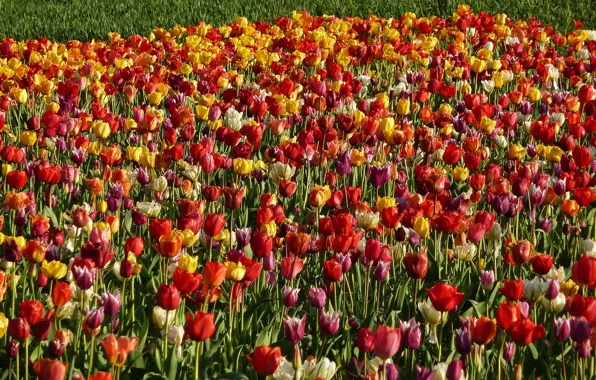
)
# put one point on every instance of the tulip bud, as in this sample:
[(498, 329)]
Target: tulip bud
[(329, 323), (294, 328), (12, 349), (487, 279), (56, 348), (463, 341), (553, 290), (455, 370), (94, 318), (508, 351), (41, 329)]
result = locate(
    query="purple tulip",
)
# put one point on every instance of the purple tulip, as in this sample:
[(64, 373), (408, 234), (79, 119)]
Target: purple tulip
[(463, 341), (562, 329), (411, 334), (94, 318), (455, 370), (329, 323), (423, 373), (584, 349), (342, 164), (243, 236), (390, 370), (553, 290), (294, 328), (382, 270), (378, 175), (112, 302), (580, 329), (317, 297), (487, 279), (290, 297), (83, 276), (508, 351)]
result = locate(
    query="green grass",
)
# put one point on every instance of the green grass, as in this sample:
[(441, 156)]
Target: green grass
[(63, 20)]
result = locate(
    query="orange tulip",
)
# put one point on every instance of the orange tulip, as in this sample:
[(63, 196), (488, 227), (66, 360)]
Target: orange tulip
[(117, 349), (47, 369), (170, 245), (482, 329)]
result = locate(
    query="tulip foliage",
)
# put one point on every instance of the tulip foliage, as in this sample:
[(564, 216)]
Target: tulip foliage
[(308, 198)]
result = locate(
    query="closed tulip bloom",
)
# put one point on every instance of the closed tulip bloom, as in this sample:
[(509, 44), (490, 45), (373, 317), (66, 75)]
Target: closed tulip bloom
[(265, 360), (562, 329), (387, 341), (112, 302), (117, 349), (31, 311), (416, 264), (580, 329), (444, 296), (261, 244), (214, 223), (168, 297), (487, 279), (365, 340), (430, 314), (583, 271), (463, 341), (317, 297), (332, 270), (18, 329), (200, 327), (541, 263), (290, 296)]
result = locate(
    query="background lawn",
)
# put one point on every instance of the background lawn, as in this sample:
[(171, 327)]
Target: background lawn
[(86, 19)]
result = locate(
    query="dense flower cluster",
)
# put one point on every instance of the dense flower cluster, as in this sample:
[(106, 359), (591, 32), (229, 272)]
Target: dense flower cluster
[(310, 198)]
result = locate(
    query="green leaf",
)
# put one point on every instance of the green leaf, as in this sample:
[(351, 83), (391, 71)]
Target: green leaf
[(173, 368), (232, 376), (50, 214)]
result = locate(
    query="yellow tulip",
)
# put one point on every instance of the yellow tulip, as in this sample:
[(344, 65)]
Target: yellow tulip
[(242, 166), (28, 138), (460, 173), (422, 227), (102, 206), (155, 98), (487, 124), (403, 107), (54, 270), (383, 203), (3, 324), (516, 152), (188, 262), (235, 271), (270, 228), (101, 129), (6, 168), (188, 238)]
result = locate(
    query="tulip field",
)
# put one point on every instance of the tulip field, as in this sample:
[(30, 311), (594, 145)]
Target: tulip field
[(310, 197)]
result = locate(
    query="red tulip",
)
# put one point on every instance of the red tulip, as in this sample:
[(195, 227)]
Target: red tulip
[(261, 244), (48, 369), (583, 196), (233, 196), (507, 313), (580, 306), (201, 327), (521, 251), (18, 329), (476, 232), (583, 271), (17, 179), (523, 332), (332, 270), (31, 311), (452, 154), (185, 281), (265, 360), (61, 294), (416, 265), (134, 245), (513, 290), (444, 296), (390, 217), (159, 227), (297, 243), (482, 330), (291, 266), (387, 342), (168, 297), (214, 274), (365, 340), (214, 223), (287, 188), (542, 263)]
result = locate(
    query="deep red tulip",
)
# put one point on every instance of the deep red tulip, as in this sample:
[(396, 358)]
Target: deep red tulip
[(541, 264), (261, 244), (159, 227), (332, 270), (416, 265), (168, 297), (185, 281), (365, 340), (31, 311)]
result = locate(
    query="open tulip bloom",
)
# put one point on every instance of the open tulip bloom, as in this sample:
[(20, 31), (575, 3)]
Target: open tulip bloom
[(307, 198)]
